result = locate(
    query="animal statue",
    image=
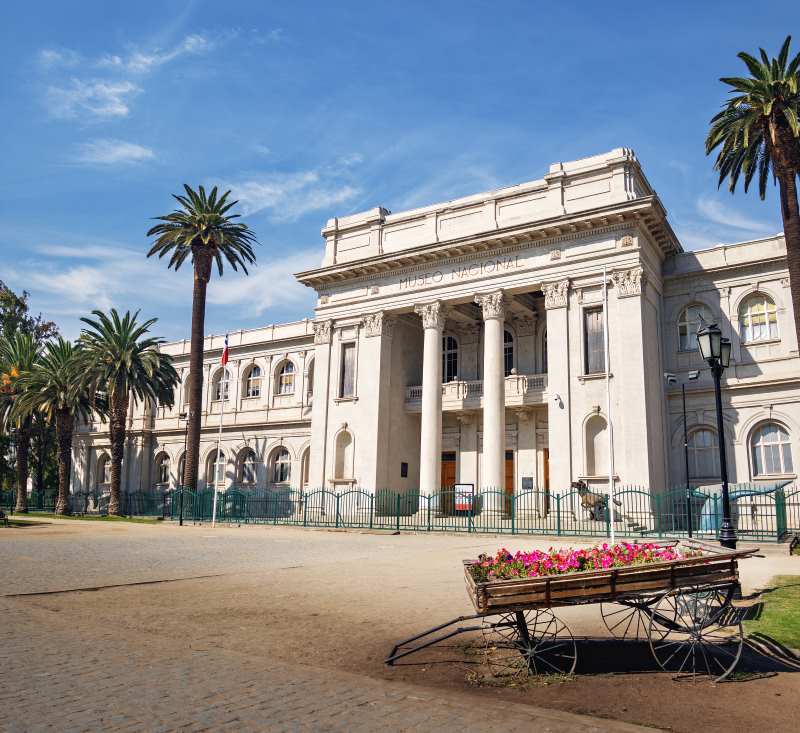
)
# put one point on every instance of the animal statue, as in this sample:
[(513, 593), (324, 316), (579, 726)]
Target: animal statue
[(593, 503)]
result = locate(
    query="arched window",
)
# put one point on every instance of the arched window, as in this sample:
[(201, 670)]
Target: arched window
[(508, 352), (449, 359), (181, 467), (690, 321), (247, 467), (310, 379), (771, 450), (758, 319), (285, 383), (343, 468), (281, 466), (596, 446), (104, 470), (222, 382), (703, 454), (252, 384), (186, 385), (305, 463), (215, 469), (162, 469)]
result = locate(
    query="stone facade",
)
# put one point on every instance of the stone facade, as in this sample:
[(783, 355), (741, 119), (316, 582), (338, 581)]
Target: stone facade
[(464, 343)]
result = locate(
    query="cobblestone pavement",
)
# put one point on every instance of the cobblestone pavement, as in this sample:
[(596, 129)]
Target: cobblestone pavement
[(62, 674)]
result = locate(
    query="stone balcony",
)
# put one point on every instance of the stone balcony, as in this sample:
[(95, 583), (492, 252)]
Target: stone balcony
[(521, 390)]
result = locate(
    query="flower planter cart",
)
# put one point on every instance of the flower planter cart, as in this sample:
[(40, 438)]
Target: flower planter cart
[(682, 607)]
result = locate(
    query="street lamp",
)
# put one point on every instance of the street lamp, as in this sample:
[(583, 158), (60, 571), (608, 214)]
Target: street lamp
[(672, 379), (716, 351), (183, 416)]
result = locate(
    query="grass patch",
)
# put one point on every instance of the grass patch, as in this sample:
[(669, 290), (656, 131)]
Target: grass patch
[(92, 518), (780, 616)]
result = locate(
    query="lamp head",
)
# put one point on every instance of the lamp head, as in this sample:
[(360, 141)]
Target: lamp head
[(709, 339)]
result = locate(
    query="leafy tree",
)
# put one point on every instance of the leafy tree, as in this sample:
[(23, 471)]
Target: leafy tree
[(201, 229), (15, 316), (18, 355), (122, 363), (57, 387), (757, 133)]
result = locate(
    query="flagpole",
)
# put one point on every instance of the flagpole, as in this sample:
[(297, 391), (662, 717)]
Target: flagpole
[(608, 411), (223, 394)]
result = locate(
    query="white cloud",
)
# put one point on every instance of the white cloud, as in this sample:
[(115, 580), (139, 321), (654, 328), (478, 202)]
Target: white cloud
[(96, 99), (50, 57), (288, 196), (727, 216), (113, 152), (140, 62)]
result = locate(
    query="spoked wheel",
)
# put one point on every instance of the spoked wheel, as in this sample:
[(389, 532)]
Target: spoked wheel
[(628, 620), (527, 643), (703, 633)]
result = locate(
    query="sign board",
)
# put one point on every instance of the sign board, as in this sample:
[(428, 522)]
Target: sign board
[(464, 497)]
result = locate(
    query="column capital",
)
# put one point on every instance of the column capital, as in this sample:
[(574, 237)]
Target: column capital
[(555, 294), (322, 332), (432, 314), (378, 324), (492, 305), (629, 282)]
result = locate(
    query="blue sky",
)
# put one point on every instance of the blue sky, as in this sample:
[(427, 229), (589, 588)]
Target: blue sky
[(313, 109)]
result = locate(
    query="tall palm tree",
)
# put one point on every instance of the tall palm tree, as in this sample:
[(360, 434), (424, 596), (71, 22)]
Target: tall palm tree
[(122, 362), (203, 229), (18, 354), (758, 132), (57, 388)]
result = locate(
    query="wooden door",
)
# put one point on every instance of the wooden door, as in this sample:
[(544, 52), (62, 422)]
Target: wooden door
[(509, 487), (447, 496)]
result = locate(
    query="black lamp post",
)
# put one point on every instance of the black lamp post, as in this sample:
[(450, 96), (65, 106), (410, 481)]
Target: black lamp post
[(716, 350), (672, 379)]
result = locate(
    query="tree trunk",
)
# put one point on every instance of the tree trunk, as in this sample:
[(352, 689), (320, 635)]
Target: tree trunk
[(202, 274), (64, 426), (117, 427), (23, 451), (40, 453), (791, 233)]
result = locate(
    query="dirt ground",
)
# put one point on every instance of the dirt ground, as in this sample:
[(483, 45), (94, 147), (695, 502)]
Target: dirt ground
[(340, 601)]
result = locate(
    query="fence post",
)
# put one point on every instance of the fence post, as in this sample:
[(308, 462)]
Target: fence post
[(371, 509), (659, 519), (305, 510), (717, 520), (609, 514), (513, 498), (338, 497), (428, 502), (558, 514), (397, 507)]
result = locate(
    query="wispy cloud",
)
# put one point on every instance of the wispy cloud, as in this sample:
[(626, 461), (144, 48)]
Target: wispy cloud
[(288, 196), (112, 152), (459, 178), (727, 216), (141, 62), (97, 99), (53, 57)]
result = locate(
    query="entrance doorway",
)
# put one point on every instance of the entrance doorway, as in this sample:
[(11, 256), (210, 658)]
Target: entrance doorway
[(509, 483), (448, 470)]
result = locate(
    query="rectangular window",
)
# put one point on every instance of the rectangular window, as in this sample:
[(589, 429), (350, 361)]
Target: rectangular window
[(347, 384), (593, 341)]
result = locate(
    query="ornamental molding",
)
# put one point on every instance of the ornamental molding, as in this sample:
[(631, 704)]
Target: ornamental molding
[(555, 294), (492, 305), (432, 314), (322, 332), (626, 241), (629, 282), (378, 324)]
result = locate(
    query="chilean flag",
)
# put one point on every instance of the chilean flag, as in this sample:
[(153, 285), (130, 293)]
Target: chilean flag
[(224, 359)]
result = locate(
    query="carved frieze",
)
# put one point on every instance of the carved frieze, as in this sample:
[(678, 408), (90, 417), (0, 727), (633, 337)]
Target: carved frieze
[(322, 332), (491, 304), (628, 282), (626, 241), (432, 314), (555, 294)]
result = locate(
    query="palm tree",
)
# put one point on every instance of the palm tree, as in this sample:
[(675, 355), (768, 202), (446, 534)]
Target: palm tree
[(18, 354), (57, 388), (202, 229), (758, 131), (121, 363)]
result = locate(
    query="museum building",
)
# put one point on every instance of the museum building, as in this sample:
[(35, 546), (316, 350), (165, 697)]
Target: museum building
[(465, 343)]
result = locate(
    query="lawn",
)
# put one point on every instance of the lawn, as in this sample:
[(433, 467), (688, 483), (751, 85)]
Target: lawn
[(780, 617), (89, 517)]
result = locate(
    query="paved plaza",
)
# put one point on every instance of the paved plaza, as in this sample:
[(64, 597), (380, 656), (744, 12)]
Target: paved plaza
[(155, 627)]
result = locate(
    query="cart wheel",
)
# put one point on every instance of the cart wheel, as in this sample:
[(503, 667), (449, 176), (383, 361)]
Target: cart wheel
[(527, 643), (629, 620), (703, 632)]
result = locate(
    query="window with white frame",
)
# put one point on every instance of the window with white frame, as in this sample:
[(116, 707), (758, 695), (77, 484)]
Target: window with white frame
[(508, 352), (285, 378), (449, 359), (703, 454), (162, 469), (691, 319), (347, 372), (215, 469), (181, 467), (281, 466), (253, 382), (247, 468), (594, 341), (771, 450), (186, 384), (758, 319), (104, 470), (222, 381)]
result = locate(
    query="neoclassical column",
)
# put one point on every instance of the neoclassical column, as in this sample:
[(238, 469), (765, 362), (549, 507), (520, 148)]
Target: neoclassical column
[(494, 393), (430, 454)]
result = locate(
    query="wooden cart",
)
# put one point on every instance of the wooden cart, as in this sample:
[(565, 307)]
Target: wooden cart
[(683, 608)]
